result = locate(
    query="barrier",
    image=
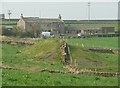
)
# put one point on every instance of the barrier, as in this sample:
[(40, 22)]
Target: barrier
[(65, 52), (76, 70), (105, 50), (11, 42)]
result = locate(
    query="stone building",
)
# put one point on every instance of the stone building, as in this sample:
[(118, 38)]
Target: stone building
[(97, 30), (39, 25), (88, 31)]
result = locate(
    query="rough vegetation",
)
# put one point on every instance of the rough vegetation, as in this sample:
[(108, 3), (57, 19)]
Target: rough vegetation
[(38, 65), (45, 49)]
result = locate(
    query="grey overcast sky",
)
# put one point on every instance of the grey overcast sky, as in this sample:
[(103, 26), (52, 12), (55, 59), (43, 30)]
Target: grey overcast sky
[(68, 10)]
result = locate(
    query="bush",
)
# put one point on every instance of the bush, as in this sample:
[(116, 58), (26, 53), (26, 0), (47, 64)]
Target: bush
[(16, 32), (26, 34)]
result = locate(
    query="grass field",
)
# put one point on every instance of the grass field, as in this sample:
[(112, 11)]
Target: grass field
[(7, 22), (28, 78), (78, 26), (103, 42), (88, 59), (46, 54), (37, 55), (93, 60)]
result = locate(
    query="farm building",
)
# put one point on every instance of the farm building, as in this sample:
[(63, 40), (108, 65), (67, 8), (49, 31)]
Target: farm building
[(39, 25), (97, 30), (88, 31), (92, 27)]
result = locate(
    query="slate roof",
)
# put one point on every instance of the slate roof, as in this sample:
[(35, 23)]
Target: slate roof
[(43, 20), (27, 19)]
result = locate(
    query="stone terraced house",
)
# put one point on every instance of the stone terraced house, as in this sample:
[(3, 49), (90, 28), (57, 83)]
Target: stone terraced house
[(39, 25)]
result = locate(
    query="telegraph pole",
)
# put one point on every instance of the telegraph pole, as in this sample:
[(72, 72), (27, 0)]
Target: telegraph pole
[(9, 13), (89, 4)]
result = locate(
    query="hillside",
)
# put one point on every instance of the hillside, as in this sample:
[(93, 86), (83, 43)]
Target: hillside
[(44, 49), (85, 58), (44, 54), (21, 63)]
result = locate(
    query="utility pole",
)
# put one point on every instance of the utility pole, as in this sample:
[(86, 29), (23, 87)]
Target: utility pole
[(9, 13), (89, 4)]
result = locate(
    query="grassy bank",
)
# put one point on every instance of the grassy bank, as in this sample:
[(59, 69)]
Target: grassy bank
[(46, 53)]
